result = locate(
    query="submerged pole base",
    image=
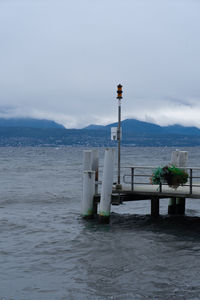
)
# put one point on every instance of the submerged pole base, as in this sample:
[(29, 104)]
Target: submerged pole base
[(104, 219), (89, 217)]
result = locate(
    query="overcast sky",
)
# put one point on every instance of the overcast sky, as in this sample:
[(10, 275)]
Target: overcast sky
[(62, 60)]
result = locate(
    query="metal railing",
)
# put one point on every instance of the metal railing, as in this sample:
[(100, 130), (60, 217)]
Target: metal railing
[(138, 176)]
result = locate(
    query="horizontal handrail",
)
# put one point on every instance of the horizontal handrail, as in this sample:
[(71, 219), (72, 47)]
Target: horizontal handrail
[(133, 175), (153, 167)]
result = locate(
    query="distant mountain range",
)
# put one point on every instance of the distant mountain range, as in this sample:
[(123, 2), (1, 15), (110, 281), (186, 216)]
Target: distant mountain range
[(136, 127), (33, 132), (29, 123)]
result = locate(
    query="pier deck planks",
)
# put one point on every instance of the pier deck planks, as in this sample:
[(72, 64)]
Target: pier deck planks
[(154, 190)]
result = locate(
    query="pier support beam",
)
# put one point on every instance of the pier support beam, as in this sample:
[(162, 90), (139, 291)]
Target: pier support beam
[(172, 206), (155, 206), (180, 206), (87, 208), (106, 190)]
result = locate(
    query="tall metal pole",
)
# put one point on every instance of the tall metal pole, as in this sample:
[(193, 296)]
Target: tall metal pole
[(119, 140), (119, 97)]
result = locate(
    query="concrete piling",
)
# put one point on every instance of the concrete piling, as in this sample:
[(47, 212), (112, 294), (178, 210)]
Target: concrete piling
[(106, 190), (87, 209), (90, 185), (172, 206), (87, 160), (180, 206), (155, 206)]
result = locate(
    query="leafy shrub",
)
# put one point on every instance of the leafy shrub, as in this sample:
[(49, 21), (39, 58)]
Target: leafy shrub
[(171, 175)]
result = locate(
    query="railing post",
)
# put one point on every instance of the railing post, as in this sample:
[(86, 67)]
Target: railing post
[(160, 187), (190, 181), (132, 179)]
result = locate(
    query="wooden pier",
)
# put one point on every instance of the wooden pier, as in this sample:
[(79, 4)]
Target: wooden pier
[(136, 186)]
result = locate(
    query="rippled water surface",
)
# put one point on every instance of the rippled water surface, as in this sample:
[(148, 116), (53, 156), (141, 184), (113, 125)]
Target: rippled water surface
[(48, 252)]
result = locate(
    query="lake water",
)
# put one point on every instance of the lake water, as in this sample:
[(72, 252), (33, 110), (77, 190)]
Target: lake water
[(48, 252)]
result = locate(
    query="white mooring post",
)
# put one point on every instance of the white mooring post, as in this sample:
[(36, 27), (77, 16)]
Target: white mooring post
[(106, 190), (87, 160), (177, 205), (91, 161), (90, 188), (87, 209)]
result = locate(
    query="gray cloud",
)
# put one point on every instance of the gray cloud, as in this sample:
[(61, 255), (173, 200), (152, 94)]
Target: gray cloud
[(63, 60)]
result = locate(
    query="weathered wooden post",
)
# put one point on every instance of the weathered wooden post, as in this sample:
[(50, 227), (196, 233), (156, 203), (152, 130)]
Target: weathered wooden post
[(177, 205), (106, 190)]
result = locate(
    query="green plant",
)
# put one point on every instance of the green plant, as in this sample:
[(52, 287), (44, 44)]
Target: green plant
[(171, 175)]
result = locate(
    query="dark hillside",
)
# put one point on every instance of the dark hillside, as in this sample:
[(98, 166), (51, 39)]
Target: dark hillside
[(29, 122)]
